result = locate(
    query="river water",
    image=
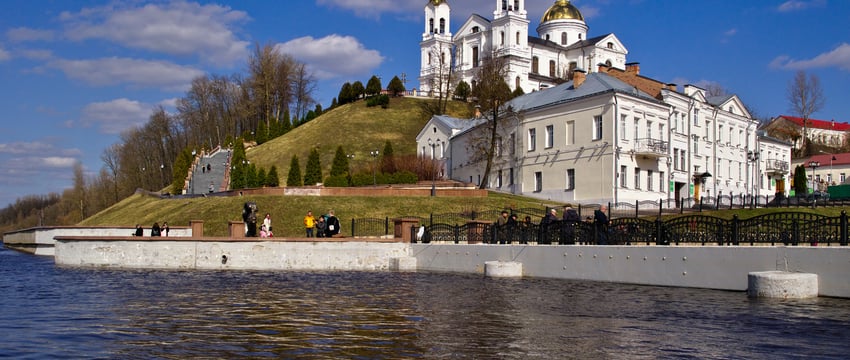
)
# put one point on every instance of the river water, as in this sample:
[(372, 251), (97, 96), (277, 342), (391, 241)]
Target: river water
[(54, 312)]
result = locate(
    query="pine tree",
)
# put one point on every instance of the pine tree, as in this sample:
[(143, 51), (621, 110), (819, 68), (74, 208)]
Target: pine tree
[(313, 172), (252, 176), (396, 87), (373, 86), (340, 164), (261, 177), (294, 177), (388, 161), (272, 179)]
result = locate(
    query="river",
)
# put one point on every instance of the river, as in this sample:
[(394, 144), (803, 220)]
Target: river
[(55, 312)]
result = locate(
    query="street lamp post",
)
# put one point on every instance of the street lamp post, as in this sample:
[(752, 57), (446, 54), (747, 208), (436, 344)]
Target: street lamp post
[(753, 157), (814, 165), (374, 154)]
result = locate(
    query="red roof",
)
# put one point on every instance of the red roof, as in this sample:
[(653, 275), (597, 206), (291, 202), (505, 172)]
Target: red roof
[(819, 124), (826, 159)]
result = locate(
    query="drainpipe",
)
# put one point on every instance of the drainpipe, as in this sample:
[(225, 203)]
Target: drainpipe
[(715, 170), (616, 150)]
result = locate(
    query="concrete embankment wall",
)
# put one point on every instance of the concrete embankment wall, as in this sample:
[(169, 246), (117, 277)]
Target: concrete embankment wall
[(39, 240), (711, 267), (243, 254)]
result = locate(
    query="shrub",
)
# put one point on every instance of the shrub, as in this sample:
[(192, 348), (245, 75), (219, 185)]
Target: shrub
[(405, 177), (382, 100), (336, 181)]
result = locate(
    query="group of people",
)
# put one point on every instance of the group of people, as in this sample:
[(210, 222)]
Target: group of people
[(324, 226), (156, 230), (569, 220)]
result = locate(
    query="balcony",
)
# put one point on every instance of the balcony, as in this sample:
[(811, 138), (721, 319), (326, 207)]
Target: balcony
[(777, 167), (651, 147)]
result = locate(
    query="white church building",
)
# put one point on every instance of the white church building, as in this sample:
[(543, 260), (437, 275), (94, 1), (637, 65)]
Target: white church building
[(534, 62), (607, 135)]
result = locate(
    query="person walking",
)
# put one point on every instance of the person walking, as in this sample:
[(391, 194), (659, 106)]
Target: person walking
[(309, 223), (267, 222), (333, 224), (600, 221), (321, 227), (571, 218), (155, 230)]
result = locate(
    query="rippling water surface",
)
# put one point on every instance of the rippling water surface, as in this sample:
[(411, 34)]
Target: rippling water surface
[(52, 312)]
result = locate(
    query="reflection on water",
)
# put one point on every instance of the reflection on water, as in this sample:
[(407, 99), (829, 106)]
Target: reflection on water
[(84, 313)]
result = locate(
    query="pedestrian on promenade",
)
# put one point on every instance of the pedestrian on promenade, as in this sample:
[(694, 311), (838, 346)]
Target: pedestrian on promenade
[(165, 228), (321, 226), (600, 221), (333, 224), (139, 230), (155, 230), (309, 223), (267, 222), (571, 218), (212, 187)]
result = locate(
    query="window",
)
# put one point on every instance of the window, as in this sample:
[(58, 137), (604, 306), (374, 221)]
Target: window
[(649, 180), (551, 68), (431, 25), (511, 178), (475, 29), (563, 38), (502, 38), (516, 83), (637, 125), (637, 178), (535, 65), (661, 132), (649, 129), (442, 26), (707, 130), (696, 146), (532, 139), (499, 179), (571, 179), (676, 159), (538, 181), (696, 117), (623, 174), (518, 38), (610, 45), (512, 139), (498, 146), (597, 127), (682, 162), (474, 56), (661, 180), (550, 136), (841, 178), (571, 132), (740, 173), (623, 126), (719, 133)]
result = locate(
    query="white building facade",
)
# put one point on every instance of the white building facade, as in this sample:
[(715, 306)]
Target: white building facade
[(534, 63)]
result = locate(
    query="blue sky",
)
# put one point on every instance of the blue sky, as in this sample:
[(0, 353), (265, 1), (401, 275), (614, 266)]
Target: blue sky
[(77, 73)]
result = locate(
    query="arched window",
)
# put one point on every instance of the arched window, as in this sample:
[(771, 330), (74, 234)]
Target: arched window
[(516, 86), (608, 63), (547, 37), (502, 38), (517, 38), (475, 56), (610, 45), (431, 25), (475, 29), (551, 68), (516, 5), (430, 58), (563, 38), (442, 26), (442, 58), (535, 65)]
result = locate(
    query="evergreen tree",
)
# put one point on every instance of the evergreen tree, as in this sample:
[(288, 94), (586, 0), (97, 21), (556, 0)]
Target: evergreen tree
[(345, 95), (286, 124), (261, 177), (463, 90), (340, 164), (373, 86), (262, 133), (396, 87), (517, 93), (251, 178), (801, 186), (357, 90), (387, 160), (313, 172), (294, 177), (272, 179), (318, 110), (334, 103)]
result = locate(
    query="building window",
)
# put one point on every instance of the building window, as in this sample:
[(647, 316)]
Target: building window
[(661, 180), (550, 136), (649, 180), (610, 45), (518, 38), (498, 146), (623, 173), (740, 173), (682, 162), (719, 133), (696, 146), (707, 130), (475, 29), (649, 129), (841, 178), (637, 126), (511, 178), (696, 117), (571, 132), (597, 127), (623, 127), (551, 68), (571, 179), (474, 56), (563, 38), (512, 139), (538, 181), (532, 139), (431, 25), (637, 178), (499, 179), (676, 159), (502, 38), (535, 65), (661, 132)]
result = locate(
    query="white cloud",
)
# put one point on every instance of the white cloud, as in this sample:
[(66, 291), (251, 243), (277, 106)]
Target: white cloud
[(177, 28), (114, 71), (37, 54), (4, 55), (20, 147), (333, 55), (22, 34), (796, 5), (838, 57), (113, 117)]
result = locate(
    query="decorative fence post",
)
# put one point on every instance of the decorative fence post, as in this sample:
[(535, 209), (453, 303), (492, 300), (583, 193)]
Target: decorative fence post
[(659, 233), (387, 225), (734, 239), (843, 229), (795, 233)]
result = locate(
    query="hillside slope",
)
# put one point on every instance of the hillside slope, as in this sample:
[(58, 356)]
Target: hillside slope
[(355, 127)]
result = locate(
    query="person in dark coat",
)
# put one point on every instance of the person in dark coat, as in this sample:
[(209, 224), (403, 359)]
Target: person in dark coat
[(571, 218), (155, 230), (139, 230), (600, 221), (333, 225), (321, 226)]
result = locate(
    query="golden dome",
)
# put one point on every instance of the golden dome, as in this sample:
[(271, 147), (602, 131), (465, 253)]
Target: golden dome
[(438, 2), (562, 10)]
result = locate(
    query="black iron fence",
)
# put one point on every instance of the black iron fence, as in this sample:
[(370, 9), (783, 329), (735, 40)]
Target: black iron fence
[(786, 228)]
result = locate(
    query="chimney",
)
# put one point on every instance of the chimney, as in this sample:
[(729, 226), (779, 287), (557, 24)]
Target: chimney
[(633, 68), (672, 87), (602, 68), (578, 78)]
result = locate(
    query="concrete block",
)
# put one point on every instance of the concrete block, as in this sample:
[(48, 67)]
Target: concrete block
[(502, 269), (407, 263), (782, 285)]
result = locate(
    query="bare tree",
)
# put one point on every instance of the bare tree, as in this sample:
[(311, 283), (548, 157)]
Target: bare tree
[(441, 79), (492, 92), (304, 85), (805, 97)]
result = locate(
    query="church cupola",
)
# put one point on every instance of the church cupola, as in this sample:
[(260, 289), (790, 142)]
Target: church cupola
[(562, 24), (509, 7)]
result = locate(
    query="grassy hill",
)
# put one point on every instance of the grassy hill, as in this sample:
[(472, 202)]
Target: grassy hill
[(355, 127)]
